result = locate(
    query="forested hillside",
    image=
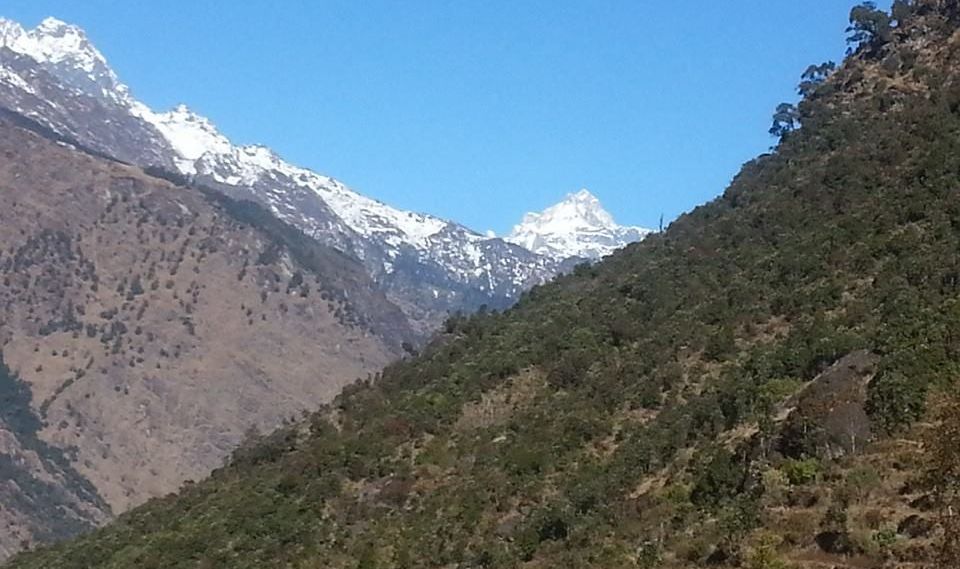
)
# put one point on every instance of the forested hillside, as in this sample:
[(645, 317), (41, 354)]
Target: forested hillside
[(750, 388)]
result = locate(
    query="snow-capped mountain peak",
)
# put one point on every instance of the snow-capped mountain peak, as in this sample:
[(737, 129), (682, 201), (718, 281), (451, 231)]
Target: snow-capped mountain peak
[(65, 50), (578, 210), (52, 41), (9, 31), (54, 28), (578, 226)]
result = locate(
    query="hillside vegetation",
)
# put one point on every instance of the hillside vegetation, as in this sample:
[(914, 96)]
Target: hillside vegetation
[(749, 388)]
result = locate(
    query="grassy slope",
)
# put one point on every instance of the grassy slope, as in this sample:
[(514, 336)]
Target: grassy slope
[(581, 428)]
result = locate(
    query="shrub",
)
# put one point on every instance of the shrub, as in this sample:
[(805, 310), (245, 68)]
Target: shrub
[(800, 472)]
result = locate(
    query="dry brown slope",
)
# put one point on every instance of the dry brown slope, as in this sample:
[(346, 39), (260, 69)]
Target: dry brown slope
[(153, 328)]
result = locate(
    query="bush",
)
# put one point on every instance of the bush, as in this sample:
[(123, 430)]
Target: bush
[(895, 401), (800, 472), (763, 554), (718, 480)]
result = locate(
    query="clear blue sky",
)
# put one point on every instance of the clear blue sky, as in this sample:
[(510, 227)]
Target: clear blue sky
[(478, 110)]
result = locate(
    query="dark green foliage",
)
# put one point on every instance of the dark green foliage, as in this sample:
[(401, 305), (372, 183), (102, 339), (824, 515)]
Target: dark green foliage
[(800, 472), (720, 479), (896, 400), (174, 177), (786, 119), (814, 77), (870, 28), (902, 11), (15, 398)]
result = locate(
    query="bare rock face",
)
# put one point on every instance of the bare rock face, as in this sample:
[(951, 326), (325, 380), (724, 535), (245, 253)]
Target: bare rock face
[(147, 327), (829, 416)]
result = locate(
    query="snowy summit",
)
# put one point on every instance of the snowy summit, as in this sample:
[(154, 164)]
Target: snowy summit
[(64, 50), (578, 226)]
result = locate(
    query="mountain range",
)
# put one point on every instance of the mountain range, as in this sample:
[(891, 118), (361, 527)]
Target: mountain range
[(430, 267)]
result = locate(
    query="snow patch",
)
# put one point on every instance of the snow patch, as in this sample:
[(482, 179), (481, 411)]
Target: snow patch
[(201, 148), (16, 81)]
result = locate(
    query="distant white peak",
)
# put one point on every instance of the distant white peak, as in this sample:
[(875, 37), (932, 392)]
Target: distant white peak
[(66, 50), (53, 41), (52, 26), (578, 226), (580, 210)]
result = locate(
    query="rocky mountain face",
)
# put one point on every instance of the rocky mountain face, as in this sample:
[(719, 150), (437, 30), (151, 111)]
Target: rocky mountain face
[(576, 227), (55, 76), (146, 327), (428, 266)]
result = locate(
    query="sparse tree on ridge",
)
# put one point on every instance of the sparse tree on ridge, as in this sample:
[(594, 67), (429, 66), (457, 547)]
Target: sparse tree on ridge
[(786, 119), (814, 76), (869, 27)]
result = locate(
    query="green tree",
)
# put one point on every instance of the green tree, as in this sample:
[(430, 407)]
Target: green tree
[(869, 28), (786, 119), (763, 555), (814, 76), (895, 400), (718, 480)]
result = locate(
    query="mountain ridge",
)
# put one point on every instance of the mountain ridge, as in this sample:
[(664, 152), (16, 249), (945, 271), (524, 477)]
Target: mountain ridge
[(406, 252)]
